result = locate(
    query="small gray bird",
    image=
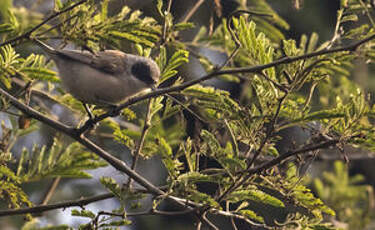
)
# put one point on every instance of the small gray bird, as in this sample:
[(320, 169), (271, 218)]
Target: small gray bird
[(104, 78)]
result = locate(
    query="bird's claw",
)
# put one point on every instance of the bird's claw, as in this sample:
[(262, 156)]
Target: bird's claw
[(113, 111)]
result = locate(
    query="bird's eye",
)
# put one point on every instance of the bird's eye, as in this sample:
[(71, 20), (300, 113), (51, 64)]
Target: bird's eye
[(142, 71)]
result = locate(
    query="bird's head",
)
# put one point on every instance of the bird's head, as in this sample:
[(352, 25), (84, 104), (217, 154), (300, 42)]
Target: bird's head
[(146, 70)]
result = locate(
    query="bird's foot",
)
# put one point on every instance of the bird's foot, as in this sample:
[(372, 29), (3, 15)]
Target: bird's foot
[(113, 111)]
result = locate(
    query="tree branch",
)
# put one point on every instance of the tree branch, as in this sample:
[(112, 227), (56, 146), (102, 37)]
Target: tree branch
[(120, 165), (275, 161), (115, 162), (28, 33), (148, 213), (270, 129), (146, 126), (42, 208), (37, 115), (240, 217), (51, 190), (253, 69), (192, 10)]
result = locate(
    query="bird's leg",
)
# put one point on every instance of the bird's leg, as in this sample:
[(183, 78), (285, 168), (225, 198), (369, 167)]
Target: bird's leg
[(91, 116), (90, 123)]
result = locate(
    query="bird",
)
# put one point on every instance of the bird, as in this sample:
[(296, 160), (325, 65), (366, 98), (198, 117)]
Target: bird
[(103, 78)]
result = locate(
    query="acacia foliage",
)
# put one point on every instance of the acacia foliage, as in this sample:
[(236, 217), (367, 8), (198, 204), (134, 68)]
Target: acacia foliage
[(240, 135)]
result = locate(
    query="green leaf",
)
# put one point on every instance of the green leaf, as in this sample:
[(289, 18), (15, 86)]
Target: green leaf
[(203, 198), (111, 185), (313, 42), (83, 213), (41, 74), (307, 199), (211, 141), (122, 135), (156, 105), (159, 6), (255, 195), (11, 192), (116, 223), (9, 174), (168, 69), (131, 37), (194, 177), (348, 18), (273, 151), (6, 28), (58, 160), (183, 26), (164, 148), (252, 215), (58, 5), (104, 11), (187, 151), (323, 114), (161, 60), (232, 163)]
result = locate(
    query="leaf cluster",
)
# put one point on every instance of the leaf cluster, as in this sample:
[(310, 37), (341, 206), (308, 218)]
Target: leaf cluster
[(92, 27), (232, 137)]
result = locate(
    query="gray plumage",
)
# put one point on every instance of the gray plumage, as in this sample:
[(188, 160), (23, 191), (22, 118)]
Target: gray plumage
[(106, 77)]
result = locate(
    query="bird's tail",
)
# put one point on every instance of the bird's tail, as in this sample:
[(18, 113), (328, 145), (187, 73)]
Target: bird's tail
[(48, 49)]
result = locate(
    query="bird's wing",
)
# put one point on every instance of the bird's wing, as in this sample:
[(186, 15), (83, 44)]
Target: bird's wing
[(109, 61)]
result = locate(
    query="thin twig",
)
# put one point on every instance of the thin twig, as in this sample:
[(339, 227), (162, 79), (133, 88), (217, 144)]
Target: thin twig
[(232, 138), (192, 10), (165, 25), (277, 85), (269, 132), (56, 26), (234, 35), (51, 190), (174, 99), (227, 208), (66, 204), (148, 213), (209, 223), (308, 100), (275, 161), (253, 69), (336, 34), (240, 217), (115, 162), (233, 223), (28, 33), (120, 165), (368, 14), (146, 127), (37, 115), (199, 225)]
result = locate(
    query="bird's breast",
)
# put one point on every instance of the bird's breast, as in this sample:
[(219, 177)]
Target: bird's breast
[(96, 87)]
